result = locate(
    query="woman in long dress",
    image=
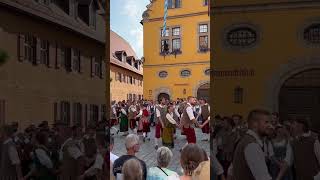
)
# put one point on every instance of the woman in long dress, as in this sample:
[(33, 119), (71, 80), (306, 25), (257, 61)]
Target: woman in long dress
[(123, 120), (168, 130)]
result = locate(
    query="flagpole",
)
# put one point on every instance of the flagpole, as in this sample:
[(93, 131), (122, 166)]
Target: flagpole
[(165, 17)]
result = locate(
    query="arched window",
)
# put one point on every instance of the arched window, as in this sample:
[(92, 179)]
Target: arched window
[(185, 73), (241, 37), (312, 34), (207, 72), (163, 74)]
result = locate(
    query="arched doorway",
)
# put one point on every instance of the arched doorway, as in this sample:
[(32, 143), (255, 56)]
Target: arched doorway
[(203, 91), (163, 95), (300, 97)]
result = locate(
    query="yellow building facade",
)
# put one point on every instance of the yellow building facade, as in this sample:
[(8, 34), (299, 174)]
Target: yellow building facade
[(266, 55), (184, 69)]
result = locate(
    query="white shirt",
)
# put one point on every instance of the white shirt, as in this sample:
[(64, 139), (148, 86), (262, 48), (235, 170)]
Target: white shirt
[(169, 116), (158, 112), (44, 158), (73, 151), (113, 157), (13, 153), (140, 114), (114, 110), (123, 111), (133, 108), (190, 112), (255, 158), (176, 111)]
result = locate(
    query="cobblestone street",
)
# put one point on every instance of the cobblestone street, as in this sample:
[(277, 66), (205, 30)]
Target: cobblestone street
[(147, 151)]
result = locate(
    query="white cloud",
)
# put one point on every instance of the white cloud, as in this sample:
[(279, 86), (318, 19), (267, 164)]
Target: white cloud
[(131, 9), (137, 35)]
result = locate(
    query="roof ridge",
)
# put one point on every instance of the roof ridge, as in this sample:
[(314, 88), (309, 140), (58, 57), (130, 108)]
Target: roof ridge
[(135, 54)]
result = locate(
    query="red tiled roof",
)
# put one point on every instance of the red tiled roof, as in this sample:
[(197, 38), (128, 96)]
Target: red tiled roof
[(118, 44)]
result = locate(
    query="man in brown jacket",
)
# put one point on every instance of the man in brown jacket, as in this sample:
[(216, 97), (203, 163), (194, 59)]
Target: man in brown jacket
[(249, 160), (188, 120)]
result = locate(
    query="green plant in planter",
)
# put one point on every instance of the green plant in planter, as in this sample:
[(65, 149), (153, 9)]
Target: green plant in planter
[(3, 57)]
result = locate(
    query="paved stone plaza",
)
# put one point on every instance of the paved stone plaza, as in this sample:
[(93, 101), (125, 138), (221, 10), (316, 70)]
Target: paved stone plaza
[(147, 151)]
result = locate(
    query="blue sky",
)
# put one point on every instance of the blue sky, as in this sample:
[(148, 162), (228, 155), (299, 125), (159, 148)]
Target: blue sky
[(125, 17)]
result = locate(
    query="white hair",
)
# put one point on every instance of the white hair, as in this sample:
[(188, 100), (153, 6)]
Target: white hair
[(131, 140), (164, 156)]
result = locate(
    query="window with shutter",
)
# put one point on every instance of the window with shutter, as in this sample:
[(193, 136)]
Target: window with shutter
[(94, 113), (93, 60), (77, 114), (21, 40), (67, 60), (76, 60), (44, 52), (65, 112), (97, 66), (203, 38), (30, 48)]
